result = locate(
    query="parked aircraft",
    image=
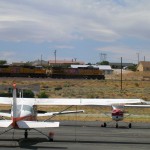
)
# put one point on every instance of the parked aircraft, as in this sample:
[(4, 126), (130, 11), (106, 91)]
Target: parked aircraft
[(118, 113), (118, 105), (24, 114)]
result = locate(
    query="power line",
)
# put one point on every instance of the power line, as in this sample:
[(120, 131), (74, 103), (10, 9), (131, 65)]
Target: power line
[(138, 55), (103, 57)]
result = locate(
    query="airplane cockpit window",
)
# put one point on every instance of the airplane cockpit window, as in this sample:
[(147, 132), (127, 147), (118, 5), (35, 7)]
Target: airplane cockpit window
[(27, 108)]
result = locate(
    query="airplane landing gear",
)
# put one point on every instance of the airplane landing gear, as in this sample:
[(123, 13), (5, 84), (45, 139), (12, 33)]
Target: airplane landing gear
[(116, 125), (26, 134), (51, 136), (104, 125), (130, 125), (51, 139)]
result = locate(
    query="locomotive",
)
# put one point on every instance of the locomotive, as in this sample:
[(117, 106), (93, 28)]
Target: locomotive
[(81, 72), (53, 72), (22, 71)]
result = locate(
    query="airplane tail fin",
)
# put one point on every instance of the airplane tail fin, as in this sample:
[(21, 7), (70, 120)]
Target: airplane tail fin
[(14, 101), (14, 109)]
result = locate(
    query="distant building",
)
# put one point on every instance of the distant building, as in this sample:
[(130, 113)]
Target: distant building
[(39, 63), (105, 68), (65, 62), (118, 65), (143, 66), (32, 63), (18, 63)]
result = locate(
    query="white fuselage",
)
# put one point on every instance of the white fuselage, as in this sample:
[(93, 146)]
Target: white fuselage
[(21, 110)]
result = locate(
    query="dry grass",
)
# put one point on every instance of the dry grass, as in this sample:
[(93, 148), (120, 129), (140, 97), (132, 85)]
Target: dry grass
[(133, 86)]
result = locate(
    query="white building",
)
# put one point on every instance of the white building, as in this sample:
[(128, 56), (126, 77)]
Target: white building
[(105, 68)]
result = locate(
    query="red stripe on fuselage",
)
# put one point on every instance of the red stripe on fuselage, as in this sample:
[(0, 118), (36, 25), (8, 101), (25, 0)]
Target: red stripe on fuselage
[(26, 118)]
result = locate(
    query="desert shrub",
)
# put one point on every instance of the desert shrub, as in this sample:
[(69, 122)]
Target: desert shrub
[(42, 95), (58, 88), (136, 84), (5, 94), (28, 94), (25, 94)]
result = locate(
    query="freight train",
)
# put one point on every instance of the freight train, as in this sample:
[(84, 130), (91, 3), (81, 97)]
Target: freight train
[(81, 72), (54, 72)]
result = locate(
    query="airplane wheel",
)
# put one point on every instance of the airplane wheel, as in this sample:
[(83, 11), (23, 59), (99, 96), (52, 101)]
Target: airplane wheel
[(51, 136), (130, 125), (26, 134), (51, 139), (116, 125), (105, 124)]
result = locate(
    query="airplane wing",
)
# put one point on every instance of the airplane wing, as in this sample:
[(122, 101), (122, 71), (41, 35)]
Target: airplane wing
[(57, 101), (72, 101), (5, 123), (6, 100), (98, 102), (9, 100), (36, 124), (58, 113), (138, 106)]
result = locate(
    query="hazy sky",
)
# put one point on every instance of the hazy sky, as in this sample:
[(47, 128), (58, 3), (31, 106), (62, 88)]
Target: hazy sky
[(81, 29)]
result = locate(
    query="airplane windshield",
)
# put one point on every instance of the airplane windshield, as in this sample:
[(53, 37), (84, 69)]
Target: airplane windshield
[(27, 108)]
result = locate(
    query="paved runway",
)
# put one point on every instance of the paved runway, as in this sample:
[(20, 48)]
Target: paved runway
[(81, 135)]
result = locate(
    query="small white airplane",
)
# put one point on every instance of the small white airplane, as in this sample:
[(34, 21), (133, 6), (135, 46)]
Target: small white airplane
[(24, 113), (118, 114), (118, 111)]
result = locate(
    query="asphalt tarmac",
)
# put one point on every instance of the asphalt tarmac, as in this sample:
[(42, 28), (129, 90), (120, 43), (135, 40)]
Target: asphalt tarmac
[(81, 136)]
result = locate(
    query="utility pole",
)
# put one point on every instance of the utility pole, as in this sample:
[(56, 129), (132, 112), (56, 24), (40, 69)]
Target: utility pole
[(55, 56), (41, 59), (121, 74), (138, 57)]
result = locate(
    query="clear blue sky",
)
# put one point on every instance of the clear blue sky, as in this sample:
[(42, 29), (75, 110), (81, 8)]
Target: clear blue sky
[(81, 29)]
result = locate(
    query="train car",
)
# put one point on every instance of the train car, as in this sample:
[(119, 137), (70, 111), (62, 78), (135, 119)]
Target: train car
[(84, 72), (22, 71), (54, 72)]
